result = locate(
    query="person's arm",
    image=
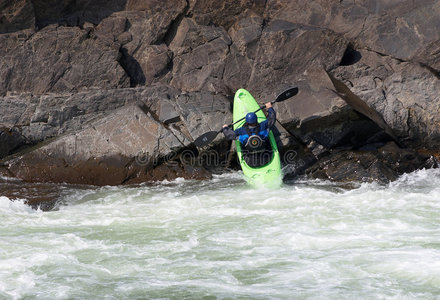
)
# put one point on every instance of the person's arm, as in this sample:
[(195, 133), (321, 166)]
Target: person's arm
[(229, 133), (271, 116)]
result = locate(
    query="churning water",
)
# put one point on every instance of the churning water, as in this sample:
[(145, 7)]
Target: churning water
[(219, 239)]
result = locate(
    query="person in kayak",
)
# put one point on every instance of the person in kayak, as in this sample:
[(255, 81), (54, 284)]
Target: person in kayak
[(253, 137)]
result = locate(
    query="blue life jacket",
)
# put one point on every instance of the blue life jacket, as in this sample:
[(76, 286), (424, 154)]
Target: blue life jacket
[(245, 132)]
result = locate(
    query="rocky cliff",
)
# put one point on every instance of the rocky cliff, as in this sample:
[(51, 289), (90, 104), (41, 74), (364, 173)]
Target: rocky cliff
[(113, 92)]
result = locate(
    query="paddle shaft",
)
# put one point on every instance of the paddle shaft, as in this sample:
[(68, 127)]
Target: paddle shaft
[(261, 107), (208, 137), (281, 97)]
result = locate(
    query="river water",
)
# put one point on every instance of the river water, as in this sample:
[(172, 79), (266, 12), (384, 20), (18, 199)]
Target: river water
[(219, 239)]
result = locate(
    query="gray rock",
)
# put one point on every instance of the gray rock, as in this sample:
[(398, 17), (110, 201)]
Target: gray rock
[(168, 113), (429, 57), (404, 93), (36, 132), (224, 13), (382, 165), (202, 112), (62, 59), (13, 109), (109, 144), (177, 64), (286, 50), (143, 31), (199, 52), (128, 134), (319, 118), (397, 28), (245, 35), (149, 63), (16, 15), (37, 118), (360, 106)]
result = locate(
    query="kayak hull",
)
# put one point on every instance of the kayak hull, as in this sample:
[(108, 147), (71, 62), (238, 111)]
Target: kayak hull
[(268, 175)]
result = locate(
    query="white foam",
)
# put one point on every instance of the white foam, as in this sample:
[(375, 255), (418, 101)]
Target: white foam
[(221, 237), (424, 176), (14, 206)]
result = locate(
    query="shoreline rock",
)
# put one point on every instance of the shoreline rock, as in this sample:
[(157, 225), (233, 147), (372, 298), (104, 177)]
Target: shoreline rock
[(114, 92), (383, 165)]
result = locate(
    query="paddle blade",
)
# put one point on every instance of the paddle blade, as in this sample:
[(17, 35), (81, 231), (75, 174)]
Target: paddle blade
[(287, 94), (205, 139)]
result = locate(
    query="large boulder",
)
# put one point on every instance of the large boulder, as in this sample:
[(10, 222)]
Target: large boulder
[(144, 29), (341, 134), (58, 59), (324, 118), (203, 111), (381, 165), (397, 28), (30, 119), (223, 13), (267, 58), (406, 94), (245, 35), (199, 55), (287, 50), (103, 153), (108, 137)]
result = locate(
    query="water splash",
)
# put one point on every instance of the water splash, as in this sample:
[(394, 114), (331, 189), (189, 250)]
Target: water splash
[(220, 238)]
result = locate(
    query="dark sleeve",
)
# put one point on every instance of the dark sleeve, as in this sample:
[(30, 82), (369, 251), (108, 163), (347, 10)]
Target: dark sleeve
[(271, 118), (229, 133)]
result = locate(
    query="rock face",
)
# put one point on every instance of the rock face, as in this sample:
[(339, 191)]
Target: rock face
[(113, 92), (396, 28), (382, 165), (58, 59), (16, 15), (101, 149), (407, 94), (107, 137), (199, 52)]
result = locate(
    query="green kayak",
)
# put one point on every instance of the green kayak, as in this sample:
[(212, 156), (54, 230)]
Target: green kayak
[(268, 175)]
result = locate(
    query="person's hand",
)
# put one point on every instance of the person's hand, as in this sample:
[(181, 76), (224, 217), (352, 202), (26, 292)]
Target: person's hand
[(224, 126), (268, 105)]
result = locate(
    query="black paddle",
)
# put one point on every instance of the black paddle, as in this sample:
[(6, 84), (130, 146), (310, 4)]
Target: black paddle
[(208, 137)]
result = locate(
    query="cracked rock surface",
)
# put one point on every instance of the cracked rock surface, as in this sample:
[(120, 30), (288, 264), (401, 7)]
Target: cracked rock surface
[(114, 92)]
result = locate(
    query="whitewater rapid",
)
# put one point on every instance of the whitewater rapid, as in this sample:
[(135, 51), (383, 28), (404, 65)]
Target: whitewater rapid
[(220, 239)]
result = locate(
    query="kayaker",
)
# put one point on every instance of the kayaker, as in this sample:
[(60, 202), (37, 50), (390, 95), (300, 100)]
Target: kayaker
[(253, 135)]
